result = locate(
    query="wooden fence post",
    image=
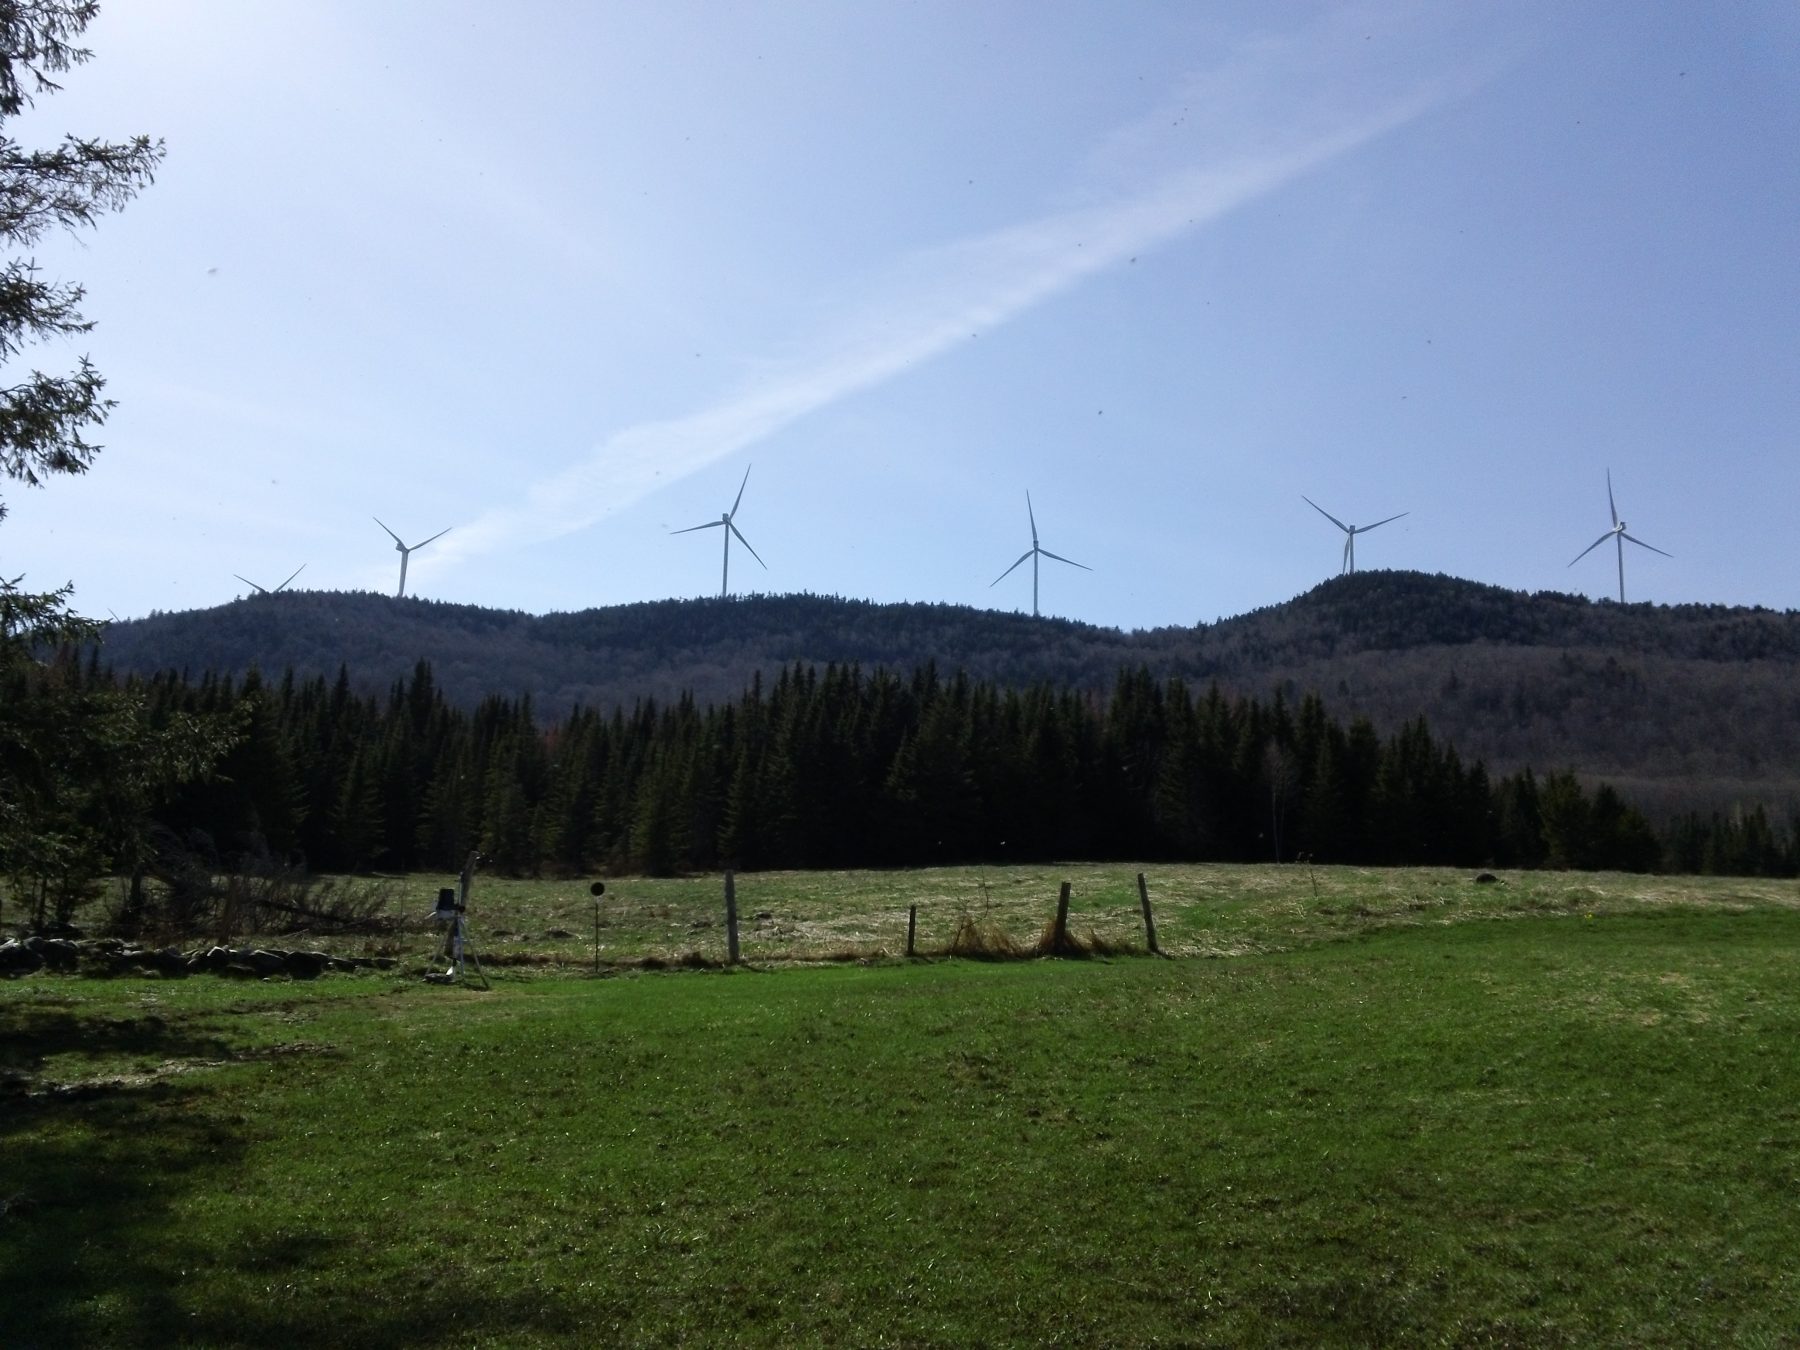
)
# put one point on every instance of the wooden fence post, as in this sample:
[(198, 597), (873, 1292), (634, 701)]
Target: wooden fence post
[(1061, 940), (1149, 919), (912, 927), (731, 933)]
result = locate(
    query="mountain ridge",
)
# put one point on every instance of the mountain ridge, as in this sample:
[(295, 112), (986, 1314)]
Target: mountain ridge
[(1687, 706)]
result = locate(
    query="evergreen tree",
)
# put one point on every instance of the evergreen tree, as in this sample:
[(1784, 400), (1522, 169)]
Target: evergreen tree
[(1567, 822), (80, 762), (930, 787), (1621, 840), (446, 829), (44, 419), (358, 826), (1324, 816), (658, 841), (1177, 804), (1519, 840)]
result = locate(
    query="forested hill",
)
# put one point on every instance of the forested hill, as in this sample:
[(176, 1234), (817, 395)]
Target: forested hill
[(1681, 706)]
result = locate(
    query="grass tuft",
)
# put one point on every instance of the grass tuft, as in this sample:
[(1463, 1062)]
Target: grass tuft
[(984, 941)]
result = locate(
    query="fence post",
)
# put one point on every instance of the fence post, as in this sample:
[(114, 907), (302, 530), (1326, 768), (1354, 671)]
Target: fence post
[(912, 927), (1149, 920), (731, 933), (1061, 940)]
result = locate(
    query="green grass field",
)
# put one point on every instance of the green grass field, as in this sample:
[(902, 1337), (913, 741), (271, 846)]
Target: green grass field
[(1402, 1109)]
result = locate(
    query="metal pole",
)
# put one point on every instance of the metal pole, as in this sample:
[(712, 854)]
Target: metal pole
[(731, 933)]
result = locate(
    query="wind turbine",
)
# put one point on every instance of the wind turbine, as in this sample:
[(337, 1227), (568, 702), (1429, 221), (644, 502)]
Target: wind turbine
[(1618, 535), (730, 529), (1350, 532), (1033, 553), (264, 590), (406, 553)]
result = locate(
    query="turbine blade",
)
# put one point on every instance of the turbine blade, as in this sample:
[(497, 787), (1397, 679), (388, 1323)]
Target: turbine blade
[(740, 496), (1609, 499), (1590, 548), (1059, 557), (439, 535), (1641, 544), (390, 533), (710, 525), (1344, 562), (1032, 516), (1364, 529), (296, 572), (1009, 571), (251, 584), (1322, 511), (745, 542)]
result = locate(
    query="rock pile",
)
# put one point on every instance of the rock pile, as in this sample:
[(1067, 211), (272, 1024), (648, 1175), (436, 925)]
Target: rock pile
[(115, 956)]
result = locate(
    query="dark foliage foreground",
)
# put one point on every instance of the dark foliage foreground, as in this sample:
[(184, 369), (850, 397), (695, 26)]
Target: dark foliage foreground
[(846, 768)]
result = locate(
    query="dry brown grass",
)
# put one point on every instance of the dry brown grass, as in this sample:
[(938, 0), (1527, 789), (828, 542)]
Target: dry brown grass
[(979, 940), (1003, 913), (1067, 942)]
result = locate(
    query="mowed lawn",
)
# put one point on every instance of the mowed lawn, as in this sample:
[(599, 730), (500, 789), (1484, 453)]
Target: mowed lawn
[(1538, 1129)]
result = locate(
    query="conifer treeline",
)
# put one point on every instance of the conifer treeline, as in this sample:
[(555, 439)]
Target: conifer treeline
[(846, 768)]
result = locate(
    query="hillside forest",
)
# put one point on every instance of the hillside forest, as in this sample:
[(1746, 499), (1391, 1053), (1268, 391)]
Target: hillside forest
[(839, 768), (1682, 708)]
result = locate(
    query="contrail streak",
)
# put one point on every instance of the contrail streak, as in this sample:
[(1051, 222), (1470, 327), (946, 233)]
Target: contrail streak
[(970, 285)]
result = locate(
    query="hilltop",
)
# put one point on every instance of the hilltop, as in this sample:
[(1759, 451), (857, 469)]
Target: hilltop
[(1679, 705)]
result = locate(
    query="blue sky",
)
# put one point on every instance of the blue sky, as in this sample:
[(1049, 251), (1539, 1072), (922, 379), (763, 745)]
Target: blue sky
[(554, 276)]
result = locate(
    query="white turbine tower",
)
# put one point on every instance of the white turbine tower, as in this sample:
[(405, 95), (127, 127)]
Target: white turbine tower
[(1618, 535), (1350, 532), (264, 590), (407, 552), (1034, 552), (730, 529)]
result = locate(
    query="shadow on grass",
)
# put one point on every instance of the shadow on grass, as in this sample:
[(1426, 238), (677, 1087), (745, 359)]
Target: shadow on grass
[(33, 1035), (447, 1317), (93, 1171)]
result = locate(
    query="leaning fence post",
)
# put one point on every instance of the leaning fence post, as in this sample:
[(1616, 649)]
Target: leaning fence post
[(731, 934), (912, 927), (1149, 920), (1061, 939)]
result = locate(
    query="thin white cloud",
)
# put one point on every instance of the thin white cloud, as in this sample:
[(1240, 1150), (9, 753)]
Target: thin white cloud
[(949, 293)]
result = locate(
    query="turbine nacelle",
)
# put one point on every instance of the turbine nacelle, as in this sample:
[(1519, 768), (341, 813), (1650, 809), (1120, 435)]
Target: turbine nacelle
[(407, 550), (724, 523), (1618, 535), (1034, 553), (1350, 532)]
